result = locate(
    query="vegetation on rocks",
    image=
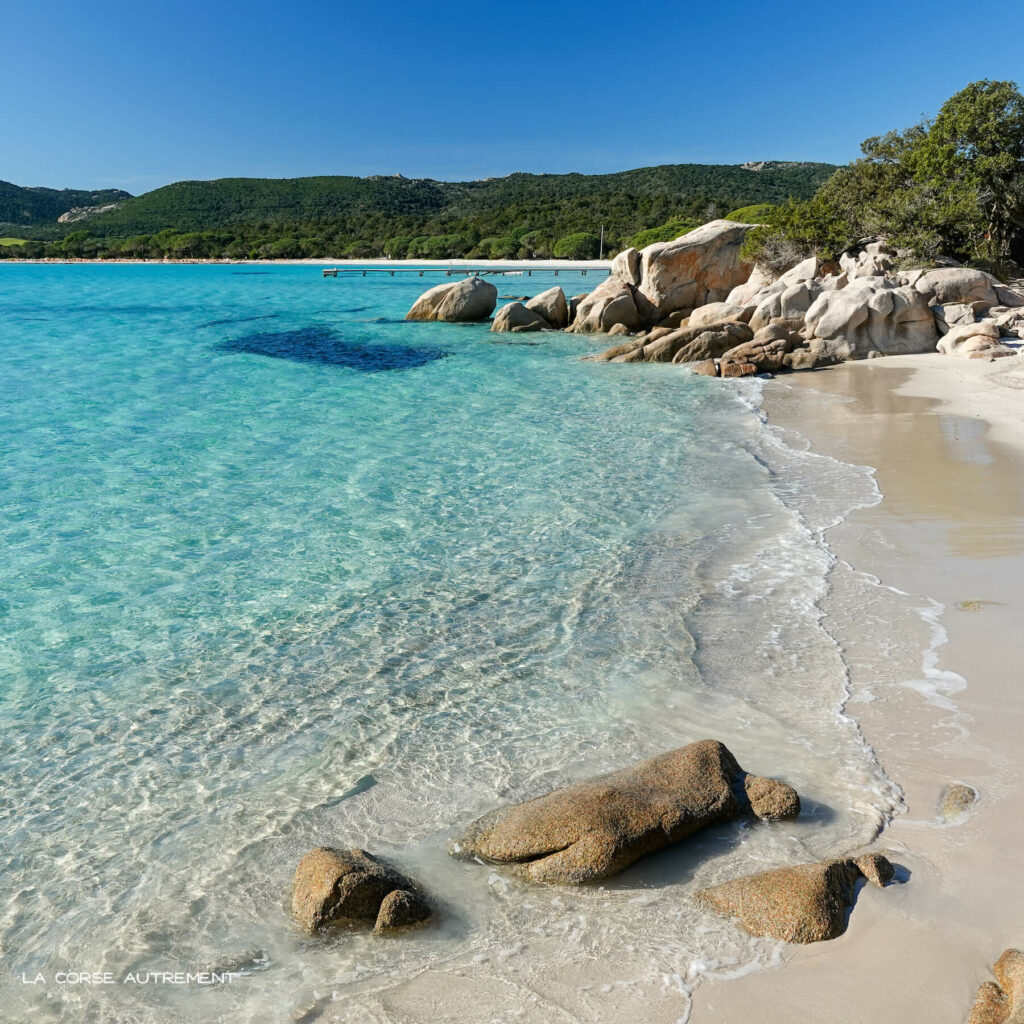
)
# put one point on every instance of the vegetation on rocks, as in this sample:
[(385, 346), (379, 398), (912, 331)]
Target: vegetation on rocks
[(952, 185)]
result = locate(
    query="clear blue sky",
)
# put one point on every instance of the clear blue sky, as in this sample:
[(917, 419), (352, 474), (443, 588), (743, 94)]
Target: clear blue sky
[(109, 93)]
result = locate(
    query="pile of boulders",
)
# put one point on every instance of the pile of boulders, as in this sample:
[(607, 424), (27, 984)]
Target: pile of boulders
[(695, 300), (823, 312)]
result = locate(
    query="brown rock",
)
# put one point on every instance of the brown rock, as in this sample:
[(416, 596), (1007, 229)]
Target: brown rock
[(706, 368), (808, 903), (626, 266), (612, 354), (709, 343), (595, 829), (956, 802), (702, 266), (679, 318), (738, 370), (1002, 1003), (770, 799), (877, 869), (335, 886), (616, 330), (574, 304), (767, 356), (400, 909)]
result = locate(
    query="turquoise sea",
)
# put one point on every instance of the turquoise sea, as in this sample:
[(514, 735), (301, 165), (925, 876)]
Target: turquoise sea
[(280, 569)]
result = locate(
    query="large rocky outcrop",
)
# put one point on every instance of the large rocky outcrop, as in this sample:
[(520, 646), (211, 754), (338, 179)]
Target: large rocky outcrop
[(808, 903), (597, 828), (700, 267), (1002, 1001), (456, 301), (351, 886)]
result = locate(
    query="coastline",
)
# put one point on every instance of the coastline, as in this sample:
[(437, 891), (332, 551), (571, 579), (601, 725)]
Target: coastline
[(455, 264), (946, 442)]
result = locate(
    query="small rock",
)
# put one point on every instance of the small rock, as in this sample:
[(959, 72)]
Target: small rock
[(334, 886), (770, 799), (808, 903), (1002, 1003), (956, 802), (739, 370), (400, 909), (878, 870), (617, 330), (706, 368)]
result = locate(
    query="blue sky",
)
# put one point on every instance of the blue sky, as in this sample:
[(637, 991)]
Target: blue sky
[(109, 93)]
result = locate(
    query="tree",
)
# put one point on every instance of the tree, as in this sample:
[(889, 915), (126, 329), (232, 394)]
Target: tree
[(580, 246), (977, 140), (74, 244), (950, 186)]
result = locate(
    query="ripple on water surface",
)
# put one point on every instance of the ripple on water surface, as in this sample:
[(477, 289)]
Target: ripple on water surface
[(256, 604)]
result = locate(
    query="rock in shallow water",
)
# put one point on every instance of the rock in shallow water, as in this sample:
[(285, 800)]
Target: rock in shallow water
[(457, 302), (337, 886), (807, 903), (595, 829), (956, 802)]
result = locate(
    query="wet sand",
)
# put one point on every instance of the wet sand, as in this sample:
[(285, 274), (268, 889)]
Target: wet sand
[(947, 441)]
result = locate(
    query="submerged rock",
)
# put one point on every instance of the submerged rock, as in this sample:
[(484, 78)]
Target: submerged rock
[(1002, 1002), (456, 301), (338, 886), (956, 802), (595, 829), (807, 903)]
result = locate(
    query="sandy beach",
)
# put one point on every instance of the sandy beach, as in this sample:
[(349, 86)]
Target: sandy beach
[(947, 440)]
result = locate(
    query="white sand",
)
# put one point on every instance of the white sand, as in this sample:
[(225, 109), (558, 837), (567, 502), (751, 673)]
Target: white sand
[(947, 438)]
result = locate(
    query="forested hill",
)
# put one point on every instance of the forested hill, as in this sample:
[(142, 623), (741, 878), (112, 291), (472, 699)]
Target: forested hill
[(35, 206), (518, 215), (204, 205)]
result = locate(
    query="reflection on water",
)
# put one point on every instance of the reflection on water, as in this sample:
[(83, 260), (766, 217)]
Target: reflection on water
[(948, 467)]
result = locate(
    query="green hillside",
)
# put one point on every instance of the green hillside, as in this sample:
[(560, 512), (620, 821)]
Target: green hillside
[(30, 207), (518, 215)]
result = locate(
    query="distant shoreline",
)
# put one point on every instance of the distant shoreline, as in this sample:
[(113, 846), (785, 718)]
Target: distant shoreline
[(460, 264)]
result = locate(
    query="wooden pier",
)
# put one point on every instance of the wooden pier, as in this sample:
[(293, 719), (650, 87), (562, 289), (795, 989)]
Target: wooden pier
[(455, 271)]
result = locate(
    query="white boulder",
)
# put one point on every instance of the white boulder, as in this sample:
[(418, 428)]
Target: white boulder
[(871, 316), (456, 301)]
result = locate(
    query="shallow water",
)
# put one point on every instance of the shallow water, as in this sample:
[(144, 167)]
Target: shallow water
[(282, 570)]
